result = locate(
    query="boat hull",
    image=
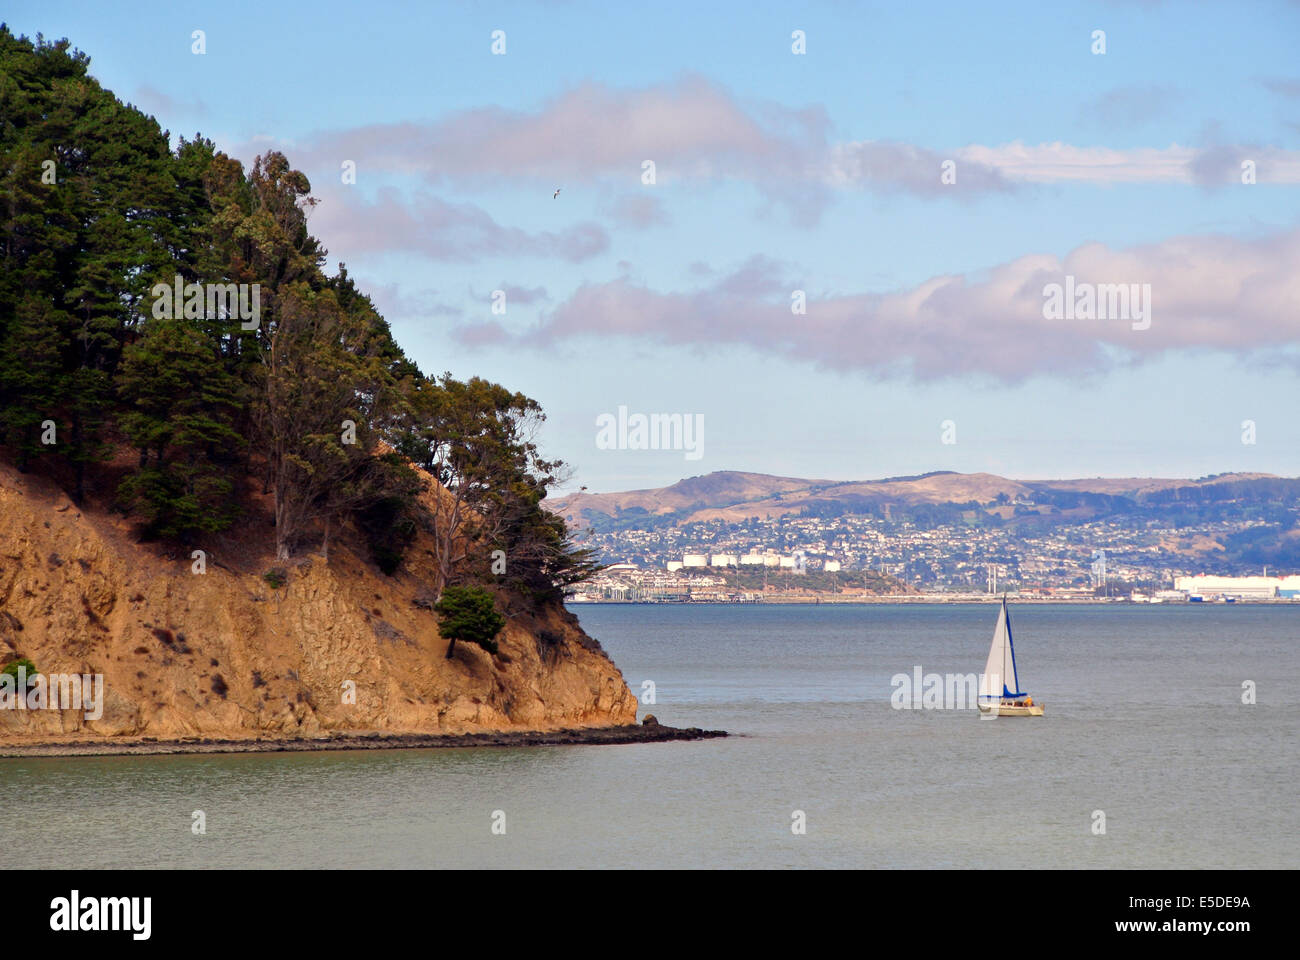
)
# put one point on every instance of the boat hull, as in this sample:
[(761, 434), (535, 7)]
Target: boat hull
[(1009, 710)]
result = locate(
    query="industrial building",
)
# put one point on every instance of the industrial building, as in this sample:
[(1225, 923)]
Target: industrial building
[(1252, 588)]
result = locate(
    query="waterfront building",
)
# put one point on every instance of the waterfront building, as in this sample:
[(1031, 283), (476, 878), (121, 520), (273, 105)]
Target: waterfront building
[(1255, 588)]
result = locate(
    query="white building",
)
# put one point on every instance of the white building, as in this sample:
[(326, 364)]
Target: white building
[(1259, 588), (751, 560), (695, 560), (831, 566), (674, 565), (724, 560), (771, 560), (787, 563)]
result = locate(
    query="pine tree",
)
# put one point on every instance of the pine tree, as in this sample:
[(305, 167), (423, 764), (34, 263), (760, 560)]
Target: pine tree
[(180, 404), (469, 614)]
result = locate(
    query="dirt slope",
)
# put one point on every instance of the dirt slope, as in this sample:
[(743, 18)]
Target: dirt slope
[(223, 654)]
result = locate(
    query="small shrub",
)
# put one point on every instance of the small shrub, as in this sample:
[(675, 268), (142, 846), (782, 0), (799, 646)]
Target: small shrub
[(13, 666), (388, 559), (219, 686), (276, 577), (388, 523), (469, 613), (549, 644)]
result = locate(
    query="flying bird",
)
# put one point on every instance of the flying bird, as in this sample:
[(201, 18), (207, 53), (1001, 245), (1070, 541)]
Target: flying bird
[(555, 194)]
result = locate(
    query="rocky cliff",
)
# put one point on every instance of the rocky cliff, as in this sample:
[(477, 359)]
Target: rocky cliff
[(225, 653)]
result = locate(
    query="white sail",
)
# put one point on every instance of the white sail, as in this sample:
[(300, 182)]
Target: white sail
[(1000, 669)]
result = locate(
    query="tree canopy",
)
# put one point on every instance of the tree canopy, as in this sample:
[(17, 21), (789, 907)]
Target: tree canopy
[(169, 304)]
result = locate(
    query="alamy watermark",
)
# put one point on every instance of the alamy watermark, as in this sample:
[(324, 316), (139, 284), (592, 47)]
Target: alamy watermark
[(195, 301), (1098, 301), (933, 691), (55, 691), (75, 913), (655, 431)]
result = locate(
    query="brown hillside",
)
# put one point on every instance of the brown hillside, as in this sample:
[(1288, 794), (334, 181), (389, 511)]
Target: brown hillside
[(223, 654), (718, 489), (732, 497)]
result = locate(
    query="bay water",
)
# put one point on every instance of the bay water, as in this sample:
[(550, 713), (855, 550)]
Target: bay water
[(1146, 757)]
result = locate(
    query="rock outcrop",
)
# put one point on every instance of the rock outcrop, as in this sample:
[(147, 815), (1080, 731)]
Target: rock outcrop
[(338, 646)]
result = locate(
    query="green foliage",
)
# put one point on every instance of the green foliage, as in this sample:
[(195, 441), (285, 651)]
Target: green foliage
[(328, 364), (276, 577), (475, 437), (213, 410), (78, 253), (469, 614), (13, 666), (390, 522), (181, 407)]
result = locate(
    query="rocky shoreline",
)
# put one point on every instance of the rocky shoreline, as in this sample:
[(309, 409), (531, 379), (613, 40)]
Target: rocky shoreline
[(643, 733)]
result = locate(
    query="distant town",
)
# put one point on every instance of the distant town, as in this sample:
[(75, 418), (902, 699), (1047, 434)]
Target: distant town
[(1219, 541)]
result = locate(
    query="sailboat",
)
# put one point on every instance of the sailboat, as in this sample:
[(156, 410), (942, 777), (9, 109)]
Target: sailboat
[(1000, 692)]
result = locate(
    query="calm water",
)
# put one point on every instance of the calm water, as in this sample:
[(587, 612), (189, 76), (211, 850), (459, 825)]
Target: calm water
[(1144, 722)]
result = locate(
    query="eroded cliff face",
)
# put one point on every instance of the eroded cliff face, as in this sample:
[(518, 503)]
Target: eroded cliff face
[(224, 654)]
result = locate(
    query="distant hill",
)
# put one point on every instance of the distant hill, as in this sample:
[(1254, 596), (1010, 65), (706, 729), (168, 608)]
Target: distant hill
[(719, 489), (732, 496)]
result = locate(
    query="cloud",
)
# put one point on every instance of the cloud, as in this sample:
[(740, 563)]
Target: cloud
[(1207, 292), (486, 334), (694, 129), (393, 302), (1060, 162), (524, 295), (634, 211), (1283, 86), (157, 103), (689, 128), (439, 229), (889, 166), (1130, 106)]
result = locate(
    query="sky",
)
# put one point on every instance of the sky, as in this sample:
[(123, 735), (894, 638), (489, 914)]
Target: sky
[(842, 261)]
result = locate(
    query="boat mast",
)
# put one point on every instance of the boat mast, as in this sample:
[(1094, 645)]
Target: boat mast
[(1010, 646)]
